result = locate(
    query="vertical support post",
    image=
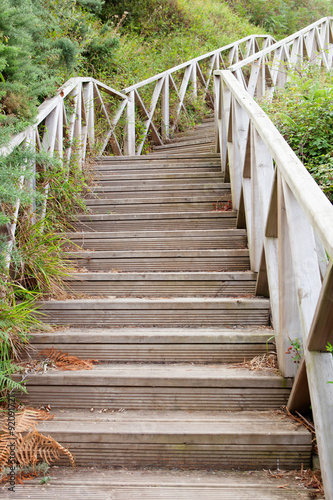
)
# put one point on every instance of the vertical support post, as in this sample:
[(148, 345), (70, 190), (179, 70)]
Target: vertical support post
[(60, 132), (88, 96), (289, 322), (165, 107), (30, 142), (78, 123), (130, 135), (194, 80)]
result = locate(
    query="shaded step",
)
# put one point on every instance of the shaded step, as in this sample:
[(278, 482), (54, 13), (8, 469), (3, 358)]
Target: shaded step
[(200, 139), (157, 312), (206, 132), (167, 284), (159, 387), (156, 222), (151, 157), (86, 483), (242, 440), (186, 150), (163, 260), (148, 185), (160, 240), (159, 345), (149, 205), (119, 177), (157, 193), (168, 169)]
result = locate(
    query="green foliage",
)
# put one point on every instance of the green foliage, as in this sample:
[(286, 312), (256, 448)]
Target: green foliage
[(282, 17), (68, 52), (303, 113), (16, 319), (37, 262), (296, 350)]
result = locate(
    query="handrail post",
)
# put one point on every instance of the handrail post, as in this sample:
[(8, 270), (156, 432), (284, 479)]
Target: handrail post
[(130, 135), (166, 108)]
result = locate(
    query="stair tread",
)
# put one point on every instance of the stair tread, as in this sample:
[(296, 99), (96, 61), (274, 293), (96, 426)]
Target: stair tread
[(156, 215), (209, 335), (159, 303), (156, 234), (216, 427), (121, 484), (166, 375), (166, 275), (161, 253)]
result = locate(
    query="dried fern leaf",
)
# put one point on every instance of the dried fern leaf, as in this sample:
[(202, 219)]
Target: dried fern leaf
[(34, 446), (25, 420), (65, 361)]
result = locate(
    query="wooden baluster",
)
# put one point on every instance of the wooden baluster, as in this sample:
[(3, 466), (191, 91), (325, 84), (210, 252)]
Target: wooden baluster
[(130, 133), (194, 80), (48, 145), (289, 321), (30, 143), (77, 136), (166, 108), (88, 94)]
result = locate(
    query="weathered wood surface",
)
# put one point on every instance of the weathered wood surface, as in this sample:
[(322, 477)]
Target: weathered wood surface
[(267, 69), (293, 215), (85, 483), (183, 440)]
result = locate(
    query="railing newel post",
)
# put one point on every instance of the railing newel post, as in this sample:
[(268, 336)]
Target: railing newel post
[(130, 125)]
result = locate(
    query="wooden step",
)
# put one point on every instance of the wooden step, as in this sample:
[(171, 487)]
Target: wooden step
[(194, 140), (85, 483), (171, 185), (104, 313), (156, 205), (159, 345), (163, 260), (160, 240), (171, 170), (157, 193), (186, 150), (162, 177), (201, 440), (156, 222), (158, 387), (166, 284), (152, 157)]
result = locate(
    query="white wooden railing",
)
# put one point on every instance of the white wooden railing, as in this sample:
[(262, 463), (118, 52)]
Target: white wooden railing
[(89, 117), (289, 224), (67, 125), (263, 71), (158, 103)]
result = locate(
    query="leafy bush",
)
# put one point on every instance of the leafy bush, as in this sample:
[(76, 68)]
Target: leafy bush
[(303, 112), (282, 17)]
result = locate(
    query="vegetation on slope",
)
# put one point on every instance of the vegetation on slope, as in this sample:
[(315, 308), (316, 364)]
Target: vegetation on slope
[(42, 44), (45, 42), (282, 17), (303, 112)]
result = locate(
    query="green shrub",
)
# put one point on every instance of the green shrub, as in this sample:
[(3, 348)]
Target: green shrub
[(282, 17), (303, 112)]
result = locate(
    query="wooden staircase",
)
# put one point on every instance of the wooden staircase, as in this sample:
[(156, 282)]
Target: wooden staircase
[(166, 300)]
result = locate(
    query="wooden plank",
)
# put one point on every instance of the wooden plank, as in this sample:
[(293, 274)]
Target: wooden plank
[(314, 203), (321, 331), (299, 399), (289, 321)]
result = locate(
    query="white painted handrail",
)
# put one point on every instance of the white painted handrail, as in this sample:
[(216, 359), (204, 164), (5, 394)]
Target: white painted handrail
[(184, 82), (89, 116), (261, 72), (67, 124), (289, 223)]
